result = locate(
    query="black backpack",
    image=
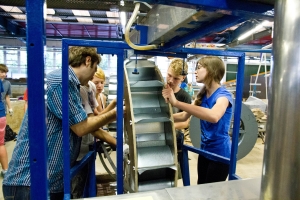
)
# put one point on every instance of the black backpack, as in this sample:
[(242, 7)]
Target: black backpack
[(9, 134)]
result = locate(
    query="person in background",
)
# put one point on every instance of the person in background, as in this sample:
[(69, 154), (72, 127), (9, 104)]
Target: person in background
[(83, 63), (190, 90), (89, 103), (3, 152), (25, 98), (5, 95), (213, 107), (99, 81)]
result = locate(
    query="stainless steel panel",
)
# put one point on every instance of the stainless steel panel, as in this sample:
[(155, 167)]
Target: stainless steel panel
[(281, 174), (246, 189), (166, 22), (151, 117), (150, 131), (153, 127), (149, 157), (154, 83), (150, 139), (155, 185)]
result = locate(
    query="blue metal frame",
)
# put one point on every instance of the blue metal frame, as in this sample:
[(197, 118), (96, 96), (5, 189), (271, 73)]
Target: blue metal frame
[(220, 25), (35, 48), (36, 99), (118, 49), (233, 7)]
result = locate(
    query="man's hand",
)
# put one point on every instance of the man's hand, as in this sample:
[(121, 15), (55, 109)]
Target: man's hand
[(11, 112)]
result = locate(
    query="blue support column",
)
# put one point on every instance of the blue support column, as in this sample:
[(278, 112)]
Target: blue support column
[(120, 95), (92, 176), (185, 170), (65, 118), (36, 99), (237, 117), (143, 33)]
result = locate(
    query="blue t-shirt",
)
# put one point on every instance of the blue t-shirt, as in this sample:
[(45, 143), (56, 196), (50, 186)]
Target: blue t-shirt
[(2, 107), (6, 91), (214, 136), (19, 167)]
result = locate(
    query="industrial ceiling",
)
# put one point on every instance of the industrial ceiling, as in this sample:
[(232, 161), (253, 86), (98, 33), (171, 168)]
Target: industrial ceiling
[(208, 24)]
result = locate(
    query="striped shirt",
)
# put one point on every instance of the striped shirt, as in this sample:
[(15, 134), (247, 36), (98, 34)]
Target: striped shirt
[(19, 167)]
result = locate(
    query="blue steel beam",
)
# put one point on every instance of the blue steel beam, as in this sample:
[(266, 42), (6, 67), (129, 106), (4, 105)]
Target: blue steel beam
[(237, 116), (219, 25), (11, 28), (120, 94), (225, 6), (97, 43), (36, 42), (159, 53), (65, 119), (208, 52)]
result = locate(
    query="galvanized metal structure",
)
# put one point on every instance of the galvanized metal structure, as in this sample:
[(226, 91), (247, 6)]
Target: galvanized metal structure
[(149, 129)]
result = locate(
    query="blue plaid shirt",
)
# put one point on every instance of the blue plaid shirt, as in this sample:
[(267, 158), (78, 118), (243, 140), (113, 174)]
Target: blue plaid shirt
[(19, 167)]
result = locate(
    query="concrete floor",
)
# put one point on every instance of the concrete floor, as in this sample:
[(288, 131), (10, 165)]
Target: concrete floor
[(248, 167)]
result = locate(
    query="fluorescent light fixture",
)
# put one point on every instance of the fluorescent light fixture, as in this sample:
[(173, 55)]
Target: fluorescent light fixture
[(50, 11), (53, 19), (112, 14), (19, 17), (123, 18), (11, 9), (254, 30), (84, 19), (81, 13), (85, 16)]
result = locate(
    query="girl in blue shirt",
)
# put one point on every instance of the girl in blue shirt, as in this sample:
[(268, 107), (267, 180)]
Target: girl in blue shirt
[(213, 106)]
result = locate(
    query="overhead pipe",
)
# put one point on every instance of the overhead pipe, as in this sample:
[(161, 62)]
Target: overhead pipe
[(127, 29), (281, 163)]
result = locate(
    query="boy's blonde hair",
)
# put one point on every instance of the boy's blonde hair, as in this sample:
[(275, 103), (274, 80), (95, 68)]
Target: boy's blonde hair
[(3, 68), (177, 65)]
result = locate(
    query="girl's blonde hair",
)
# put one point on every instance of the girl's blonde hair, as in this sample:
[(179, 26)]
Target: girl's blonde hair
[(100, 74), (215, 71)]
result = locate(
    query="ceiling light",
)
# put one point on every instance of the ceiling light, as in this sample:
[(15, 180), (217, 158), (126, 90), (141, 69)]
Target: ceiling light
[(11, 9), (85, 16), (123, 18), (81, 13), (254, 30), (50, 11), (112, 15), (122, 3), (20, 17), (84, 19), (53, 19)]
